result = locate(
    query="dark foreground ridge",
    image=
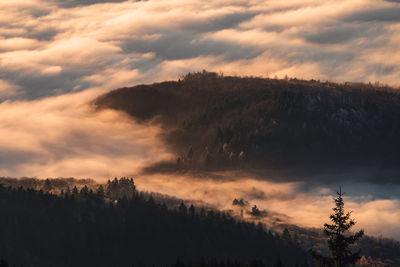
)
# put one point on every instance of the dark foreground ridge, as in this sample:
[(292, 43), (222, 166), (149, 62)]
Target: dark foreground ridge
[(118, 226), (222, 122)]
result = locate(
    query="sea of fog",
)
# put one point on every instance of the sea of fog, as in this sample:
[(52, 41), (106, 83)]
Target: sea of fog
[(64, 136)]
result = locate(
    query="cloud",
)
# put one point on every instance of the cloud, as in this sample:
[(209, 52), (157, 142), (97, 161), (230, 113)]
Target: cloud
[(75, 3), (7, 89), (386, 14), (345, 33), (56, 56), (64, 136), (49, 47), (18, 43)]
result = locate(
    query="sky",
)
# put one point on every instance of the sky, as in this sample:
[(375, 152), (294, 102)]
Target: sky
[(52, 47), (56, 56)]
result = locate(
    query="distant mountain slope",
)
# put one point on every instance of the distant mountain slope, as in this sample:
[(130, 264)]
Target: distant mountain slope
[(218, 122)]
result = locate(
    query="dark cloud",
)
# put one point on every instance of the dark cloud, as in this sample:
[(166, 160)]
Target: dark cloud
[(10, 158), (188, 41), (46, 34), (345, 33), (75, 3), (382, 69), (386, 14), (37, 85), (219, 23), (184, 45)]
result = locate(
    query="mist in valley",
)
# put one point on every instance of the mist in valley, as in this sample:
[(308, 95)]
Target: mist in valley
[(204, 123), (65, 137), (303, 203)]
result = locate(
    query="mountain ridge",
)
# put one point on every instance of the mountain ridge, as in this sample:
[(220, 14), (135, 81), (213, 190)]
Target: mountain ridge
[(219, 122)]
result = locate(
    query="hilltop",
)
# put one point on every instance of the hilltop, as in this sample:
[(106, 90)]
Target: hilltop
[(217, 122)]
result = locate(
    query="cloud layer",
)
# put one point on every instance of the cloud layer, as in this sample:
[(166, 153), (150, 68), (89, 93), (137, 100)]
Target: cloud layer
[(50, 47), (62, 137)]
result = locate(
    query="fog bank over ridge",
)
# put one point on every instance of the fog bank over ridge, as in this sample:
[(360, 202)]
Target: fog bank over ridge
[(300, 203), (57, 56), (63, 136)]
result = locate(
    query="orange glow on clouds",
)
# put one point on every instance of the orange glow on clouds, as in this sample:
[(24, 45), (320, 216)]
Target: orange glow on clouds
[(56, 56)]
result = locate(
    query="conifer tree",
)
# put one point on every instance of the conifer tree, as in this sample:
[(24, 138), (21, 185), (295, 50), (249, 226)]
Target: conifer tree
[(47, 185), (192, 210), (255, 211), (339, 240), (100, 192), (75, 190), (286, 235), (182, 209), (84, 191)]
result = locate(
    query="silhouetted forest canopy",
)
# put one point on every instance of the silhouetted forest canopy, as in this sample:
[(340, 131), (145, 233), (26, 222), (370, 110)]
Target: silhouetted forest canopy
[(114, 224), (213, 121)]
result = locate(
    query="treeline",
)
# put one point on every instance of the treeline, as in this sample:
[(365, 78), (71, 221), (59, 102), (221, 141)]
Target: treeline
[(89, 227), (113, 189), (54, 185), (215, 122)]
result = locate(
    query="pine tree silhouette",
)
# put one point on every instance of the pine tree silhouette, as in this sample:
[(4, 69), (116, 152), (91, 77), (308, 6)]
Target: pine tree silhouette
[(338, 242)]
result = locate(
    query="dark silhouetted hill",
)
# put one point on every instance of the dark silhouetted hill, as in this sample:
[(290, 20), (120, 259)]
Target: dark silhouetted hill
[(222, 122), (116, 225), (91, 228)]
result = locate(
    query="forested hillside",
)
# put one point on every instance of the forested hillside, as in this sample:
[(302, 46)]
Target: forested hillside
[(115, 225), (216, 122), (118, 226)]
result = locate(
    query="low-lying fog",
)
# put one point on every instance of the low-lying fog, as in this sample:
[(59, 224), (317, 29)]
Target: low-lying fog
[(302, 203), (63, 137)]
